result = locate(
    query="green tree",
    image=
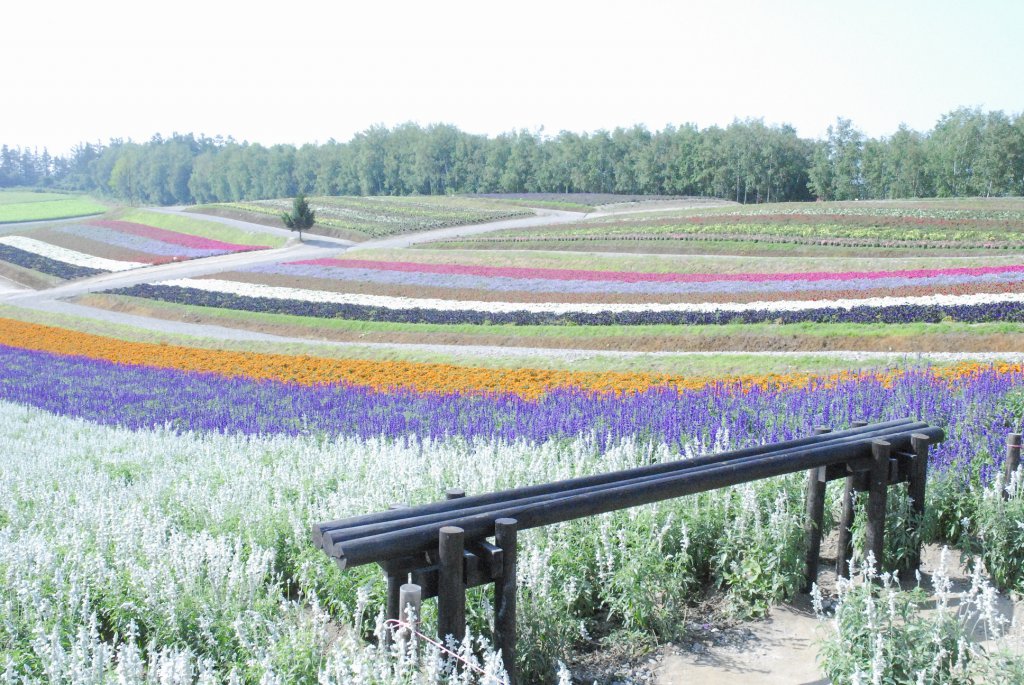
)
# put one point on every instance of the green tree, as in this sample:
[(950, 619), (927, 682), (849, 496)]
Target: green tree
[(301, 217)]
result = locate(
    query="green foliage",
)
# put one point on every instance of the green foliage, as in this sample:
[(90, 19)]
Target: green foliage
[(17, 207), (968, 153), (301, 218), (881, 633)]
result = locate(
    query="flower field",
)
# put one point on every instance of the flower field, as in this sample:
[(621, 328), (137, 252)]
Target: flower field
[(156, 499), (453, 293), (94, 246), (155, 508), (907, 226), (375, 217)]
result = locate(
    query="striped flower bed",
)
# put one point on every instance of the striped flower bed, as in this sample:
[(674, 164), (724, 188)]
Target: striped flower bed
[(510, 279), (85, 249), (319, 303)]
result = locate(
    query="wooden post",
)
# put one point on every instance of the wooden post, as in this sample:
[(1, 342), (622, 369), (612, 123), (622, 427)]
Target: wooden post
[(815, 504), (410, 600), (451, 589), (916, 491), (394, 584), (844, 548), (505, 537), (454, 493), (1012, 460), (878, 487)]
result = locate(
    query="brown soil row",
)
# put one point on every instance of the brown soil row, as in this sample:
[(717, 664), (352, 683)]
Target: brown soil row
[(739, 342), (27, 277), (474, 295)]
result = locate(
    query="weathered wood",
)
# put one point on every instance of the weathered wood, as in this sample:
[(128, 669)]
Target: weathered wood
[(844, 450), (1012, 460), (411, 605), (844, 548), (415, 539), (815, 517), (874, 540), (320, 529), (454, 493), (916, 491), (451, 594), (506, 538)]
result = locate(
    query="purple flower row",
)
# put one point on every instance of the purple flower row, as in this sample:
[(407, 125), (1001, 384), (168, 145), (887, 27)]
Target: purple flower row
[(972, 409), (546, 285), (1005, 311), (137, 243)]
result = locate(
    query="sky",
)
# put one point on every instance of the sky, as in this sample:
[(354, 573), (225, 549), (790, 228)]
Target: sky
[(308, 71)]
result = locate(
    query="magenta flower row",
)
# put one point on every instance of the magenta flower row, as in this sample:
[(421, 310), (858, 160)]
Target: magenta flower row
[(636, 277)]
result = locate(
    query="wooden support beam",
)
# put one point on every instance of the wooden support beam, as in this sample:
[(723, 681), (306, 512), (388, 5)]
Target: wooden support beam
[(506, 537), (916, 483), (1012, 459), (410, 605), (874, 540), (844, 550), (451, 592), (815, 517)]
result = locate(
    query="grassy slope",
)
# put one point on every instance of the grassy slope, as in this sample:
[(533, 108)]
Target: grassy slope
[(18, 206)]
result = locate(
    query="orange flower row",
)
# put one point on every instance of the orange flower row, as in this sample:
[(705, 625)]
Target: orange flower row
[(384, 375)]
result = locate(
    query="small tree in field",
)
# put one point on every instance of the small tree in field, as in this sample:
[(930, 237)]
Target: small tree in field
[(301, 217)]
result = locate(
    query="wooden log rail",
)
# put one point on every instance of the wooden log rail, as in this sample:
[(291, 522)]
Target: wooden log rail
[(443, 547)]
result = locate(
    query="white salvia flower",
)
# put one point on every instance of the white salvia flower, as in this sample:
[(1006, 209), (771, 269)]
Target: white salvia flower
[(564, 676)]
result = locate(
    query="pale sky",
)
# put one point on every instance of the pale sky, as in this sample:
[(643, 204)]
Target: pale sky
[(312, 70)]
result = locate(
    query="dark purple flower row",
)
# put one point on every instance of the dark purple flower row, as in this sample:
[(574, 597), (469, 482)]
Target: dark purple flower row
[(867, 314), (972, 409), (45, 265)]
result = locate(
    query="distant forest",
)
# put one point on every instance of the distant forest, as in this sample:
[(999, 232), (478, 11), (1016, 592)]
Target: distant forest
[(967, 153)]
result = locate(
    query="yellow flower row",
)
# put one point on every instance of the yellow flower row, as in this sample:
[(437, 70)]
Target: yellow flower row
[(384, 375)]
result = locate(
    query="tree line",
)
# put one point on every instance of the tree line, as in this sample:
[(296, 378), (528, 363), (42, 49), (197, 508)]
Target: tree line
[(968, 153)]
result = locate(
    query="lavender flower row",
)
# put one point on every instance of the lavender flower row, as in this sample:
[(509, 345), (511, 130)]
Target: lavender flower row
[(137, 243), (868, 314), (28, 260), (972, 409), (546, 285)]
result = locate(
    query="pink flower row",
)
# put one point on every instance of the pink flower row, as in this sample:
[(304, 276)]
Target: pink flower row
[(637, 277), (173, 237)]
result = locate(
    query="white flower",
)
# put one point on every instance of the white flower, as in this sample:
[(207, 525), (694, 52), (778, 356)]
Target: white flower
[(62, 254)]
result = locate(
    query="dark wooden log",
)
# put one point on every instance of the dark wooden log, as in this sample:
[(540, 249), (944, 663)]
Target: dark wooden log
[(844, 547), (506, 538), (333, 540), (451, 595), (320, 529), (815, 517), (874, 539), (417, 539), (916, 491), (1012, 460)]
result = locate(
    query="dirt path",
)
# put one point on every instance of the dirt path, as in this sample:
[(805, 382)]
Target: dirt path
[(783, 649), (8, 286)]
